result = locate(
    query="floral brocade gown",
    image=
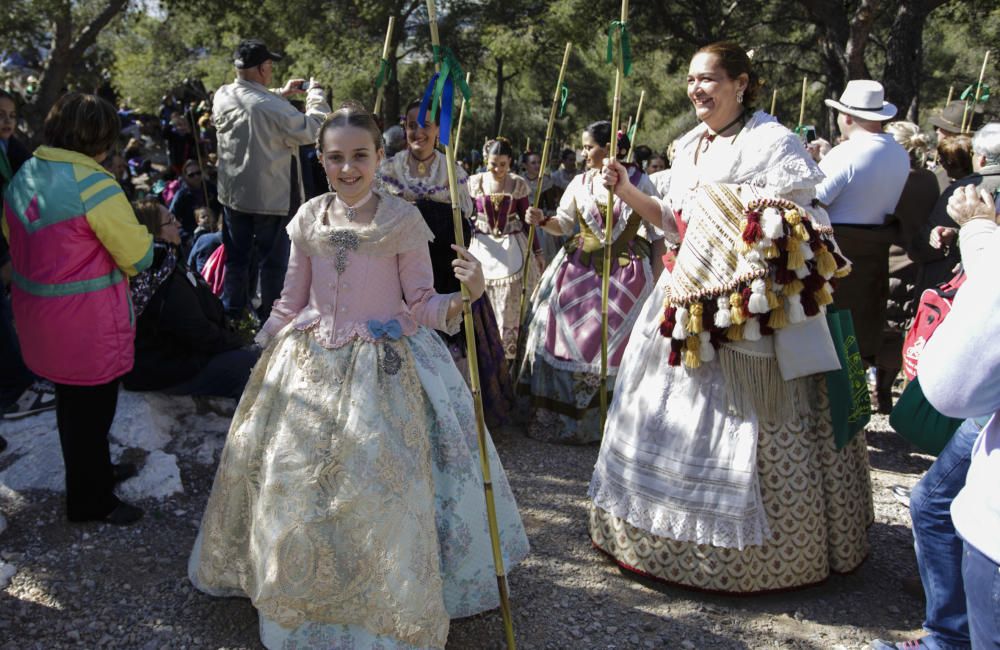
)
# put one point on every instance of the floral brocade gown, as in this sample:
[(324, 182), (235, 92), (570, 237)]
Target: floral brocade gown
[(348, 504)]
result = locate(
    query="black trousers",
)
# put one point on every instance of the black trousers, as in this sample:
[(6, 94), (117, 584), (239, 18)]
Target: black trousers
[(84, 415)]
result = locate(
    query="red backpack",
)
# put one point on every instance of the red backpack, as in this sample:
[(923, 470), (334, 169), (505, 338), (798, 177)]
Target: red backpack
[(933, 308)]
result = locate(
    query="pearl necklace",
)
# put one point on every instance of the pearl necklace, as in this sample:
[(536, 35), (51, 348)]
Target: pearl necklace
[(352, 210)]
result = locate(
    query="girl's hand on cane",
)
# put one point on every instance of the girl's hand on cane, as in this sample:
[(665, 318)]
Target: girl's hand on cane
[(469, 272)]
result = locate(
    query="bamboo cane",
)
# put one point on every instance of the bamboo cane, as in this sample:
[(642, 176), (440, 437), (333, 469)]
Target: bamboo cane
[(774, 100), (500, 127), (609, 225), (461, 117), (197, 151), (802, 103), (474, 385), (951, 91), (546, 147), (638, 116), (967, 128), (527, 144), (380, 95)]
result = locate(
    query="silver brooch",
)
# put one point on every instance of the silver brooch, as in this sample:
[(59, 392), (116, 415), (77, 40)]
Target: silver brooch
[(344, 240)]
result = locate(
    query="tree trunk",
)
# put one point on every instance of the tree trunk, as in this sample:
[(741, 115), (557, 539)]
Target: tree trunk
[(498, 98), (904, 56), (64, 53)]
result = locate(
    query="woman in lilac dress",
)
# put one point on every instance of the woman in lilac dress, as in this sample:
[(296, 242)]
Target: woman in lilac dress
[(559, 375)]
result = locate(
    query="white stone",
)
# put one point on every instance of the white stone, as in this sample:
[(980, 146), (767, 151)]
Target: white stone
[(158, 478)]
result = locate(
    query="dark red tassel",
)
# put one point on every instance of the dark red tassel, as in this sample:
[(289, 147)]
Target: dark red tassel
[(809, 305)]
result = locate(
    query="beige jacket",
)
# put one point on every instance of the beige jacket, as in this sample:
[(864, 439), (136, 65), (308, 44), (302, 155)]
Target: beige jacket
[(260, 133)]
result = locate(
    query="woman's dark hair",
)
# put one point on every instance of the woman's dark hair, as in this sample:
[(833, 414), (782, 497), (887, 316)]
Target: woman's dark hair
[(351, 113), (601, 132), (734, 60), (148, 213), (416, 104), (83, 123), (500, 146), (6, 95)]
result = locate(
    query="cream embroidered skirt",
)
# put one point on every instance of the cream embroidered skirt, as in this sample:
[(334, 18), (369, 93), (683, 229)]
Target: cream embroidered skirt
[(777, 505), (348, 503)]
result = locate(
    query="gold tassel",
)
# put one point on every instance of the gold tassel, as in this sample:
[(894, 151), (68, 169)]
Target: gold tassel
[(772, 300), (793, 218), (692, 357), (822, 296), (801, 232), (735, 332), (825, 264), (842, 272), (771, 252), (696, 311), (793, 287), (795, 258), (778, 318), (736, 309)]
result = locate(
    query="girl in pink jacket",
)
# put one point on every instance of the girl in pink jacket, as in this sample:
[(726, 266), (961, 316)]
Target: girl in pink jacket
[(73, 241), (348, 505)]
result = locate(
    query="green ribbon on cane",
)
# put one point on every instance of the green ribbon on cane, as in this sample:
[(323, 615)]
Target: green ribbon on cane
[(626, 41), (984, 93), (563, 98), (450, 68), (384, 73), (631, 133)]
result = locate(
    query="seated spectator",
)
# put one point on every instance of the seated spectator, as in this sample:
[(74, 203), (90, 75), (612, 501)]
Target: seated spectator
[(206, 241), (183, 344), (190, 196), (116, 165), (656, 163)]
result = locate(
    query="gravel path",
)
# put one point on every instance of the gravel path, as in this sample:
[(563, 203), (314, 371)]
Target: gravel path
[(98, 586)]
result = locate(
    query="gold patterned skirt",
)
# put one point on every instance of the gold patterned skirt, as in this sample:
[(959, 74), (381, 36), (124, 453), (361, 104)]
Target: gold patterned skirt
[(348, 504), (818, 502)]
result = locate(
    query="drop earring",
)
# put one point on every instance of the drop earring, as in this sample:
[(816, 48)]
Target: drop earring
[(739, 97)]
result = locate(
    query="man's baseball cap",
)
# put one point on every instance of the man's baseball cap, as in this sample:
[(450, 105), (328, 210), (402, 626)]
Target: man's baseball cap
[(251, 53)]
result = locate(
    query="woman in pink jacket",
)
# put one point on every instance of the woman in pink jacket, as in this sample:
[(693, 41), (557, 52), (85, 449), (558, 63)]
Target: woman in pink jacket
[(73, 240)]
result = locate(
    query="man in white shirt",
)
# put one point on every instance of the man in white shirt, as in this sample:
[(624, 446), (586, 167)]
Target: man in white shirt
[(865, 176), (260, 178)]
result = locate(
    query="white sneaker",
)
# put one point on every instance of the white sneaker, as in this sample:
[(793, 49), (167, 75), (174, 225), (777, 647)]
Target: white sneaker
[(39, 397)]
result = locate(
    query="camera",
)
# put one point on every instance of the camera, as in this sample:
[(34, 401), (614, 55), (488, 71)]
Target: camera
[(807, 132)]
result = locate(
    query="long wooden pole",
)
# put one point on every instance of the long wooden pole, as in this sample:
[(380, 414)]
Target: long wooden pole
[(774, 100), (474, 385), (802, 103), (638, 116), (967, 128), (546, 147), (951, 92), (461, 118), (380, 95), (609, 224)]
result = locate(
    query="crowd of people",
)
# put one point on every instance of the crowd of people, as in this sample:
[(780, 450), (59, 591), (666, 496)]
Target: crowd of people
[(348, 506)]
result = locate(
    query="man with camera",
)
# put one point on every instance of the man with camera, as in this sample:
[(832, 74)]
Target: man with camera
[(260, 177), (865, 175)]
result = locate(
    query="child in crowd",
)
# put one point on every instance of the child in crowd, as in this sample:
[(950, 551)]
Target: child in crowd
[(348, 504), (207, 238), (73, 239)]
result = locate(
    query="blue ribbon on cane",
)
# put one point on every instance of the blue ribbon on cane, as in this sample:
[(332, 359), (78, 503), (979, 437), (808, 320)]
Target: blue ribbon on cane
[(440, 92), (390, 329)]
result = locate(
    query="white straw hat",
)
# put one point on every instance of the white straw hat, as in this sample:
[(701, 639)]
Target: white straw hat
[(865, 99)]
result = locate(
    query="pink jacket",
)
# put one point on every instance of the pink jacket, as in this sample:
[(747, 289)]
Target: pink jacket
[(73, 240), (382, 274)]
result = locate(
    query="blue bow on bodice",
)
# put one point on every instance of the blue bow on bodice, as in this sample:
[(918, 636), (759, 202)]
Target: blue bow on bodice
[(389, 329)]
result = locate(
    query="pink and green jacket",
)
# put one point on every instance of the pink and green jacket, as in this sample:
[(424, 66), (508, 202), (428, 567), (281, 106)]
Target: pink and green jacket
[(73, 240)]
